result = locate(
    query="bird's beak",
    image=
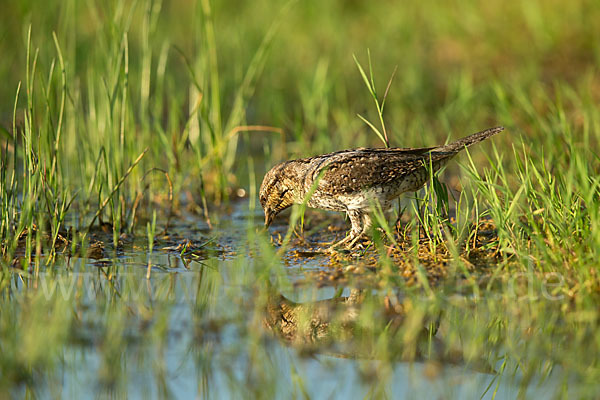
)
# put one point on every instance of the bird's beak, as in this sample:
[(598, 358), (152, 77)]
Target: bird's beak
[(268, 218)]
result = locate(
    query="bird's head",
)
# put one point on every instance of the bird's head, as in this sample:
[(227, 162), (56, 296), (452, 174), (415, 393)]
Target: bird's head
[(277, 191)]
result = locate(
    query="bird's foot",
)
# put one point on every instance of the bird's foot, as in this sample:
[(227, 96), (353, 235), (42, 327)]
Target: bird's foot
[(341, 244), (355, 244), (350, 242)]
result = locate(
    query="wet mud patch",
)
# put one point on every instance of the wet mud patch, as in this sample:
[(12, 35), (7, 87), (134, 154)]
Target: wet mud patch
[(407, 259), (306, 257), (99, 246)]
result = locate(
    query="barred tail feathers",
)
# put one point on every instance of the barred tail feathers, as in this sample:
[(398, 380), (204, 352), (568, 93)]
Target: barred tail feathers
[(467, 141)]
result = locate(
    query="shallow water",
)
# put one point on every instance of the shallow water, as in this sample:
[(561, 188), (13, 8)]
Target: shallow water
[(211, 325)]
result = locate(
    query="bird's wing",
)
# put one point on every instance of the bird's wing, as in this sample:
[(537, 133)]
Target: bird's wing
[(355, 170)]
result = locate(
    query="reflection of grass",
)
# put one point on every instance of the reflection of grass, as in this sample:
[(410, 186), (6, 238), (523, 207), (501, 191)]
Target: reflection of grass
[(508, 268)]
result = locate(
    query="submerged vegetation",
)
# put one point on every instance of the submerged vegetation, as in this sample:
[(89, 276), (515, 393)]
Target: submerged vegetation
[(134, 135)]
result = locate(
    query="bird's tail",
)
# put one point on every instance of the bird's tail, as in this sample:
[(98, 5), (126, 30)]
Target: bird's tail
[(460, 144)]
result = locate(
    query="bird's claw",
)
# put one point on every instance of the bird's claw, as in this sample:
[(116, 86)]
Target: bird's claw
[(349, 243)]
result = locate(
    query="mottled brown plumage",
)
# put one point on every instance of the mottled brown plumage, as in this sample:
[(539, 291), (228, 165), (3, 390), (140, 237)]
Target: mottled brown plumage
[(351, 180)]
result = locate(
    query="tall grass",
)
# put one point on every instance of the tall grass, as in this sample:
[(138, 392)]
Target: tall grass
[(92, 129)]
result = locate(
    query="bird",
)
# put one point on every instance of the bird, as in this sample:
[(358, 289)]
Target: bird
[(353, 180)]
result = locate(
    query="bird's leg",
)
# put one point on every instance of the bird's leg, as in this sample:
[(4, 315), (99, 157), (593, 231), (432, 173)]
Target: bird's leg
[(356, 217), (366, 225)]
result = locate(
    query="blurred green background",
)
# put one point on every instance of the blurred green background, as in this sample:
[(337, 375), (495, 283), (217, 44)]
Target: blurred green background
[(451, 56)]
